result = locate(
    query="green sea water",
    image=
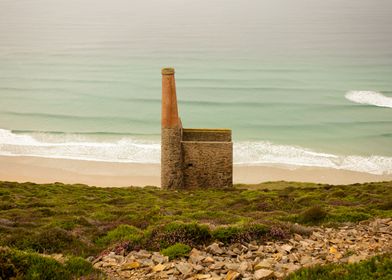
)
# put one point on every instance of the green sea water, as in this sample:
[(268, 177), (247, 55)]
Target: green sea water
[(299, 82)]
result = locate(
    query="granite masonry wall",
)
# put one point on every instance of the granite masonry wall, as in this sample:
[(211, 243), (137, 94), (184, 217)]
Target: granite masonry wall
[(207, 164), (196, 158), (171, 158), (204, 134)]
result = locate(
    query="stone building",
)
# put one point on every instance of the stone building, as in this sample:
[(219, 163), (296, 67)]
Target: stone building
[(191, 158)]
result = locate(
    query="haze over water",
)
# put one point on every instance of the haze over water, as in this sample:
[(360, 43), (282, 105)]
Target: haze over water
[(305, 82)]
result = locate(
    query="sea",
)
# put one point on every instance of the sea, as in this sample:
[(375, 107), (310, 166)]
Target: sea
[(300, 83)]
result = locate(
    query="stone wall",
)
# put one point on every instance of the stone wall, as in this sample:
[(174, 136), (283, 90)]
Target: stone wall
[(171, 159), (207, 164), (203, 134), (196, 158)]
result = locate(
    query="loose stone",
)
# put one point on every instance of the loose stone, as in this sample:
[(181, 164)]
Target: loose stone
[(232, 275), (349, 244), (262, 274), (184, 268), (130, 265), (215, 249)]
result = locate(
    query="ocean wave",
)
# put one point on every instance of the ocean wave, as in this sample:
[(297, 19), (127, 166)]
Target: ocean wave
[(370, 98), (267, 153), (251, 88), (210, 103), (234, 103), (77, 117), (68, 80), (30, 89), (88, 133), (78, 146), (134, 150)]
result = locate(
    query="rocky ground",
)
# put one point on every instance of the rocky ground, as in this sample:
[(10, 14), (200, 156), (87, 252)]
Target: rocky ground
[(272, 260)]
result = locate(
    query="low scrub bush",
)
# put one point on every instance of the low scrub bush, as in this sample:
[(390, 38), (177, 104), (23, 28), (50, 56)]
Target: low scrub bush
[(78, 266), (191, 234), (227, 234), (278, 233), (314, 214), (245, 233), (120, 233), (55, 240), (352, 216), (177, 250), (306, 200), (386, 205), (15, 264), (6, 205), (379, 267), (45, 240)]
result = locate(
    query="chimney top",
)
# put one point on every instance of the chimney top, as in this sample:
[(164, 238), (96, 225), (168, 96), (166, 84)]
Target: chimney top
[(167, 71)]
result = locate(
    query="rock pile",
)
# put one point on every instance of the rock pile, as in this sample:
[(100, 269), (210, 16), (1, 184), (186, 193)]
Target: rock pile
[(272, 260)]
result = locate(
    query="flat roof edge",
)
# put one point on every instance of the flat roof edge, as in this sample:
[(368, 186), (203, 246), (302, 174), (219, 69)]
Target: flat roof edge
[(207, 129), (206, 142)]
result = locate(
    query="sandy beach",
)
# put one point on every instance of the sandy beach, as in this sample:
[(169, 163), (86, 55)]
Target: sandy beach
[(108, 174)]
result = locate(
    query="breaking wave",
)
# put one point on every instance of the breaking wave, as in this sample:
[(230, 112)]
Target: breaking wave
[(134, 150), (266, 153), (78, 146), (370, 98)]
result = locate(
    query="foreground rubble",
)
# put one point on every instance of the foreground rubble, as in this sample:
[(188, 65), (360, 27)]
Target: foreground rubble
[(272, 260)]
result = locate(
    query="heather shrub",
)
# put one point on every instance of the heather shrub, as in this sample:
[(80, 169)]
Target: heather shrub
[(78, 266), (244, 233), (177, 250), (120, 233), (15, 264), (227, 234), (191, 234), (349, 216), (52, 240), (386, 205), (378, 267), (278, 233), (313, 214)]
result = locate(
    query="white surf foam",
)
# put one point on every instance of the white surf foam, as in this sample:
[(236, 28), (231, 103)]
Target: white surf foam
[(266, 153), (133, 150), (78, 147), (370, 98)]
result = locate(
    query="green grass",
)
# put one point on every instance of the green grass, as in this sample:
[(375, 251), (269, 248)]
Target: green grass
[(379, 267), (82, 221), (15, 264)]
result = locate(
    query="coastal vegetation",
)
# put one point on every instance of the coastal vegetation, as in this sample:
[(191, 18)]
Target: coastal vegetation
[(15, 264), (378, 267), (176, 251), (79, 221)]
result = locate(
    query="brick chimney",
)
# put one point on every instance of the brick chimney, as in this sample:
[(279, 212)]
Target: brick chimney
[(171, 156), (170, 117)]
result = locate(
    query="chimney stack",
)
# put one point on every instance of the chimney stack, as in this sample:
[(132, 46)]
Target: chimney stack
[(170, 117), (171, 156)]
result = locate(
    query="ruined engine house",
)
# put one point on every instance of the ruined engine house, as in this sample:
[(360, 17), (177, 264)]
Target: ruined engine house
[(191, 157)]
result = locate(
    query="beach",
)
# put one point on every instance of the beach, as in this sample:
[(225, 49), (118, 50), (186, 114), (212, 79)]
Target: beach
[(110, 174)]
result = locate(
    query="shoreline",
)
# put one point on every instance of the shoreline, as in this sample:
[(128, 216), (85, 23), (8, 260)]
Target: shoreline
[(113, 174)]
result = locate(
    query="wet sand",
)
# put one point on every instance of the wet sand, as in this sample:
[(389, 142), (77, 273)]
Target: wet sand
[(108, 174)]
